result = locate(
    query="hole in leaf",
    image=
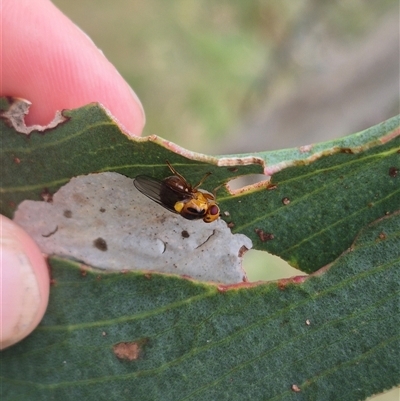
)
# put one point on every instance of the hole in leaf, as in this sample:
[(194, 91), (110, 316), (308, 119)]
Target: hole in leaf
[(251, 179), (261, 265)]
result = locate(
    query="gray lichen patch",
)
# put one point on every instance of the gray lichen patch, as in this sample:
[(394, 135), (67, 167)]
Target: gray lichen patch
[(103, 221)]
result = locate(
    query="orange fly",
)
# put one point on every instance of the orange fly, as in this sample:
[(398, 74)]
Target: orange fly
[(178, 196)]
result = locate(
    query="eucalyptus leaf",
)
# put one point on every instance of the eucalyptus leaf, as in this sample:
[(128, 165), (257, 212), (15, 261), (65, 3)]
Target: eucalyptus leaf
[(316, 200), (331, 209), (132, 336)]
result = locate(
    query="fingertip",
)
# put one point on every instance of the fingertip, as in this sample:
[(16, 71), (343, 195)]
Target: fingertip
[(25, 284), (49, 61)]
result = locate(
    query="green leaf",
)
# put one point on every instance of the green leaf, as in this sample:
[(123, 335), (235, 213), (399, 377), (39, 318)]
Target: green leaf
[(334, 335), (132, 335), (324, 194)]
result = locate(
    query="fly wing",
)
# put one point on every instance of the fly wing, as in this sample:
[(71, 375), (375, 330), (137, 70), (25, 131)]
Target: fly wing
[(158, 191)]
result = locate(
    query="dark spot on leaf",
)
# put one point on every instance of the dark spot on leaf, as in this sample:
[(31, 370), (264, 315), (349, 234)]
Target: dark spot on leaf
[(185, 234), (393, 171), (100, 244), (17, 160), (231, 224), (148, 276), (263, 235), (129, 351), (102, 210), (46, 195), (285, 201), (83, 273), (271, 187), (50, 233), (382, 235), (347, 150), (282, 284), (67, 213)]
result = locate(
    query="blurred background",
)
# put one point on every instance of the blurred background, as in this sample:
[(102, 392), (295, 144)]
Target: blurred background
[(221, 77)]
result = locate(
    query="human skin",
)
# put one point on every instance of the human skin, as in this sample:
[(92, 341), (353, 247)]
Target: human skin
[(49, 61)]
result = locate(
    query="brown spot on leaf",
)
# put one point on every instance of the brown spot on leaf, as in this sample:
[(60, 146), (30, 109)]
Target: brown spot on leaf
[(231, 224), (46, 195), (67, 213), (185, 234), (393, 171), (347, 151), (263, 235), (285, 201), (129, 351), (271, 187), (100, 244), (102, 210), (382, 235), (17, 160), (83, 273)]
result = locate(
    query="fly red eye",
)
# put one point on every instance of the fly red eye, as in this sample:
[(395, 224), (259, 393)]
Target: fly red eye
[(213, 210)]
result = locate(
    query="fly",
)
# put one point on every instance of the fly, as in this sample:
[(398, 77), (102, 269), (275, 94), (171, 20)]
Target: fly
[(178, 196)]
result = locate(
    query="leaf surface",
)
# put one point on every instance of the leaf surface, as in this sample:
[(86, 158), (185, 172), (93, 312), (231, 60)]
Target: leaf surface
[(323, 194), (131, 335), (334, 335)]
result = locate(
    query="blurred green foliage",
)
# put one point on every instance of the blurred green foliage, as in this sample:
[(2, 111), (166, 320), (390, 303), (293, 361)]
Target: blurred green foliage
[(199, 67)]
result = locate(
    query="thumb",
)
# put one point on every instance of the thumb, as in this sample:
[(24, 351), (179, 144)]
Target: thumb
[(24, 284)]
